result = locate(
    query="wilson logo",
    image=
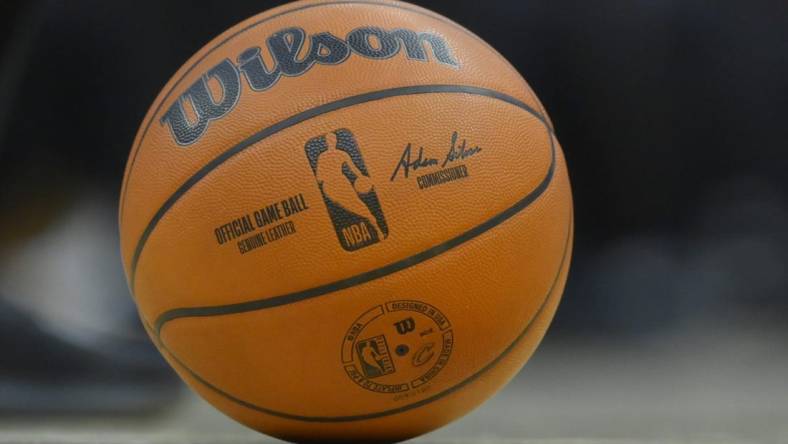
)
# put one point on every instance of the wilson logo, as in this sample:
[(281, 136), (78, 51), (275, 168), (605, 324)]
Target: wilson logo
[(290, 59)]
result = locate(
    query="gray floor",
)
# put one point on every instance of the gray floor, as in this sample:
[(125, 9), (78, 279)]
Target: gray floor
[(695, 388)]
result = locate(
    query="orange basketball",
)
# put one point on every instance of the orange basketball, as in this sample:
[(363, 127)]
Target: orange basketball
[(346, 220)]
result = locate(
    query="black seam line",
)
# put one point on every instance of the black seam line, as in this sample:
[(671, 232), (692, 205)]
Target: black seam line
[(304, 116), (266, 19), (337, 419), (377, 273)]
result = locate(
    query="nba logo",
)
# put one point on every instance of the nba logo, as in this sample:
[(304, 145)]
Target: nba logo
[(347, 189), (374, 356)]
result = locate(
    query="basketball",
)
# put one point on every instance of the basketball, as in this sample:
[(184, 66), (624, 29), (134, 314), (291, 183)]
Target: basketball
[(346, 221)]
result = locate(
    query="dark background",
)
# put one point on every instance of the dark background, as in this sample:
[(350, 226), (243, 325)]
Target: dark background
[(672, 115)]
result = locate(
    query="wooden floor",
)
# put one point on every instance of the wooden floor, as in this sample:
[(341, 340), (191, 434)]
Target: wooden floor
[(692, 388)]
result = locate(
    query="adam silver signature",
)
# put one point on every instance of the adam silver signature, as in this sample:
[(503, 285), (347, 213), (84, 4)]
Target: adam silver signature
[(456, 152)]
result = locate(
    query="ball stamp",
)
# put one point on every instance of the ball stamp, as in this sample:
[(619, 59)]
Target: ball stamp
[(397, 347)]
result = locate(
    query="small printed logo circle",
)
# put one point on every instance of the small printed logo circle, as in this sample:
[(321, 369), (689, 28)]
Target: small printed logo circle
[(397, 346)]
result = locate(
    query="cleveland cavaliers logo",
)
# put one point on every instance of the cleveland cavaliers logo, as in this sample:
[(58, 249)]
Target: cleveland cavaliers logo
[(348, 191)]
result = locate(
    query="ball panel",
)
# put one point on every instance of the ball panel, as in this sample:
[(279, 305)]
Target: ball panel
[(514, 158), (161, 165)]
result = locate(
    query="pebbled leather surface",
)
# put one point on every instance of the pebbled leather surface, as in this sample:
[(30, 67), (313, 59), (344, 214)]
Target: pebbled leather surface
[(499, 289)]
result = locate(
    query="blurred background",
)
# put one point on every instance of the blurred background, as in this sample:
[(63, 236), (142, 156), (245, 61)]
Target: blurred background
[(672, 114)]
